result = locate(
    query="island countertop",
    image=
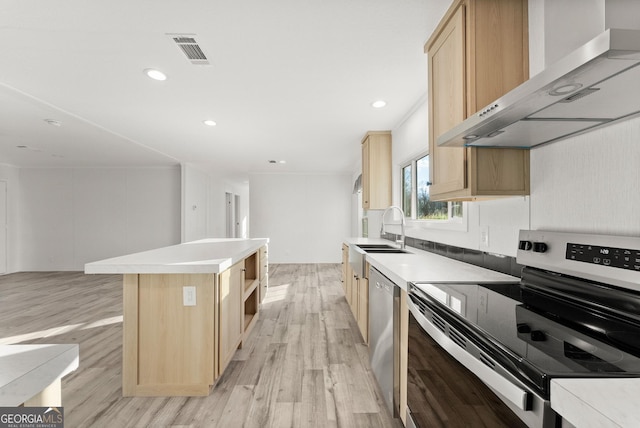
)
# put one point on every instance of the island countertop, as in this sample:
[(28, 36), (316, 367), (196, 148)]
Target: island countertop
[(25, 370), (213, 255)]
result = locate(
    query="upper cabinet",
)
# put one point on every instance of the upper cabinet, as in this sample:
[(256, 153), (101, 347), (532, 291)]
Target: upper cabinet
[(478, 52), (376, 170)]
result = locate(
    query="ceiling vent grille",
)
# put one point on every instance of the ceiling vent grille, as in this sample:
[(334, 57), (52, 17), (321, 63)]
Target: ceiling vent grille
[(190, 48)]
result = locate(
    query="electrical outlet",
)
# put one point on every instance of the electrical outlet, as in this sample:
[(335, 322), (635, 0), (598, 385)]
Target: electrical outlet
[(189, 295), (484, 236), (483, 301)]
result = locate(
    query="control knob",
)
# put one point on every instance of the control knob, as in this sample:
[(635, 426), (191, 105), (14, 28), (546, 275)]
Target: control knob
[(524, 328), (538, 336), (525, 245), (539, 247)]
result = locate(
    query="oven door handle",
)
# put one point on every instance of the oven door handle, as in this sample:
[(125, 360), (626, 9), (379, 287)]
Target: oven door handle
[(512, 392)]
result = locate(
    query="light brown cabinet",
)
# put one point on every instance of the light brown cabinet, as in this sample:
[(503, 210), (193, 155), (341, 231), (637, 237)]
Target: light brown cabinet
[(345, 265), (376, 170), (264, 272), (356, 291), (478, 52), (231, 322), (363, 308)]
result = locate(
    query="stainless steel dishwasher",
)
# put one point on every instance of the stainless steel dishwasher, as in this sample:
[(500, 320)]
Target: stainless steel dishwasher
[(383, 336)]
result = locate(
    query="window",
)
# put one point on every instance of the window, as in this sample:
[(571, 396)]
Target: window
[(407, 189), (415, 194), (427, 210)]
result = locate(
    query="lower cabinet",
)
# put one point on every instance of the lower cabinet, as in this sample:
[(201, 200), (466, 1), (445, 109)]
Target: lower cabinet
[(158, 358), (231, 319), (345, 265), (363, 308), (356, 291), (264, 272)]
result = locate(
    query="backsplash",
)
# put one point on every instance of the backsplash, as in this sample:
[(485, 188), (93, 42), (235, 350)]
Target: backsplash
[(499, 263)]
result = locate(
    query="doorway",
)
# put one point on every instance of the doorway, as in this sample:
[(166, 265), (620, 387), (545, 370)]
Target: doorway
[(232, 202)]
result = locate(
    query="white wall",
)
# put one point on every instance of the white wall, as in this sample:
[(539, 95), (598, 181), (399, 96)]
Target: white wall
[(204, 206), (195, 203), (305, 216), (589, 183), (71, 216), (569, 24), (10, 175)]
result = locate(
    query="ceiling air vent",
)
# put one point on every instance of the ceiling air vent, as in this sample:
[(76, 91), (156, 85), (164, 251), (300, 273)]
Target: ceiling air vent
[(190, 48)]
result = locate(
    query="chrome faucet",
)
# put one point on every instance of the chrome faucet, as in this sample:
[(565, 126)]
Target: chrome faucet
[(400, 241)]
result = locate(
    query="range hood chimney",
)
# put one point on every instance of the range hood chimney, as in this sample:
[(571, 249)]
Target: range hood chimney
[(597, 84)]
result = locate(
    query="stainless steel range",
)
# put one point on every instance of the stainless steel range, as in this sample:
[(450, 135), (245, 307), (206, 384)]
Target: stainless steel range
[(575, 313)]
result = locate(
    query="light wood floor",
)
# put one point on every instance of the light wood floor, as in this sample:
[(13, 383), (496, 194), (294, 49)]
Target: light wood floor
[(304, 365)]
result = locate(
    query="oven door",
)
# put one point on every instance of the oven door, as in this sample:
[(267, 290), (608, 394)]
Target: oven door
[(443, 390)]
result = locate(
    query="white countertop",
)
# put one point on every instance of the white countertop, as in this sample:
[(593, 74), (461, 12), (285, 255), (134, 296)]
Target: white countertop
[(422, 266), (203, 256), (597, 403), (25, 370)]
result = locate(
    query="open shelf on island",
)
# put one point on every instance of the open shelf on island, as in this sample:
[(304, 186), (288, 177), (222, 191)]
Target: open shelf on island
[(251, 303), (251, 271)]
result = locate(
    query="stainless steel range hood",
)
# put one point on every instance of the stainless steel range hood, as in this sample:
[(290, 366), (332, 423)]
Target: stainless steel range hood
[(596, 84)]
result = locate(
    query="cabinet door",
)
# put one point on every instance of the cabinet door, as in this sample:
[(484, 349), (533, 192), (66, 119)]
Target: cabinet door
[(376, 170), (355, 284), (366, 175), (363, 308), (231, 316), (264, 272), (345, 263), (347, 285), (447, 104)]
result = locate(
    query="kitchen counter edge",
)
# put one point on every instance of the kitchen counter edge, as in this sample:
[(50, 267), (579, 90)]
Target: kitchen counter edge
[(212, 255)]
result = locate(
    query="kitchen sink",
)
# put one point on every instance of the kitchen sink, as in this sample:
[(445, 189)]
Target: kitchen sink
[(375, 246), (389, 250), (380, 248), (357, 255)]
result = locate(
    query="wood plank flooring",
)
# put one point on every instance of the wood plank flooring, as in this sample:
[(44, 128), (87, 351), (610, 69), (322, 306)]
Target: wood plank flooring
[(304, 364)]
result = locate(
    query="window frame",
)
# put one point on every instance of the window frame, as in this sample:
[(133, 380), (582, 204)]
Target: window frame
[(451, 223)]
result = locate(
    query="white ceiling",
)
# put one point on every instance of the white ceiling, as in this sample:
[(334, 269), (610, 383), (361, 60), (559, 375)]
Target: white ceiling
[(289, 80)]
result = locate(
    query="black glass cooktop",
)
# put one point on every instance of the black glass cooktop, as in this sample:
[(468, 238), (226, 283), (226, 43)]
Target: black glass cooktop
[(546, 326)]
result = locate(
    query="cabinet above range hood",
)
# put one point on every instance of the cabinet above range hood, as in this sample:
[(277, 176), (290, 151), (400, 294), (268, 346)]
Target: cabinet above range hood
[(594, 85)]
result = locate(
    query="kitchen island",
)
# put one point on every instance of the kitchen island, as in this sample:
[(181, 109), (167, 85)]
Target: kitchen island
[(187, 308)]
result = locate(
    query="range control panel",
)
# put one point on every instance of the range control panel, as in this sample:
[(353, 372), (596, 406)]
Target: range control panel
[(608, 259), (622, 258)]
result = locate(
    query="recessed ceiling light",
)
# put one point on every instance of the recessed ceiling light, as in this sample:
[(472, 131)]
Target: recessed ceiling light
[(378, 104), (209, 122), (53, 122), (283, 161), (155, 74)]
